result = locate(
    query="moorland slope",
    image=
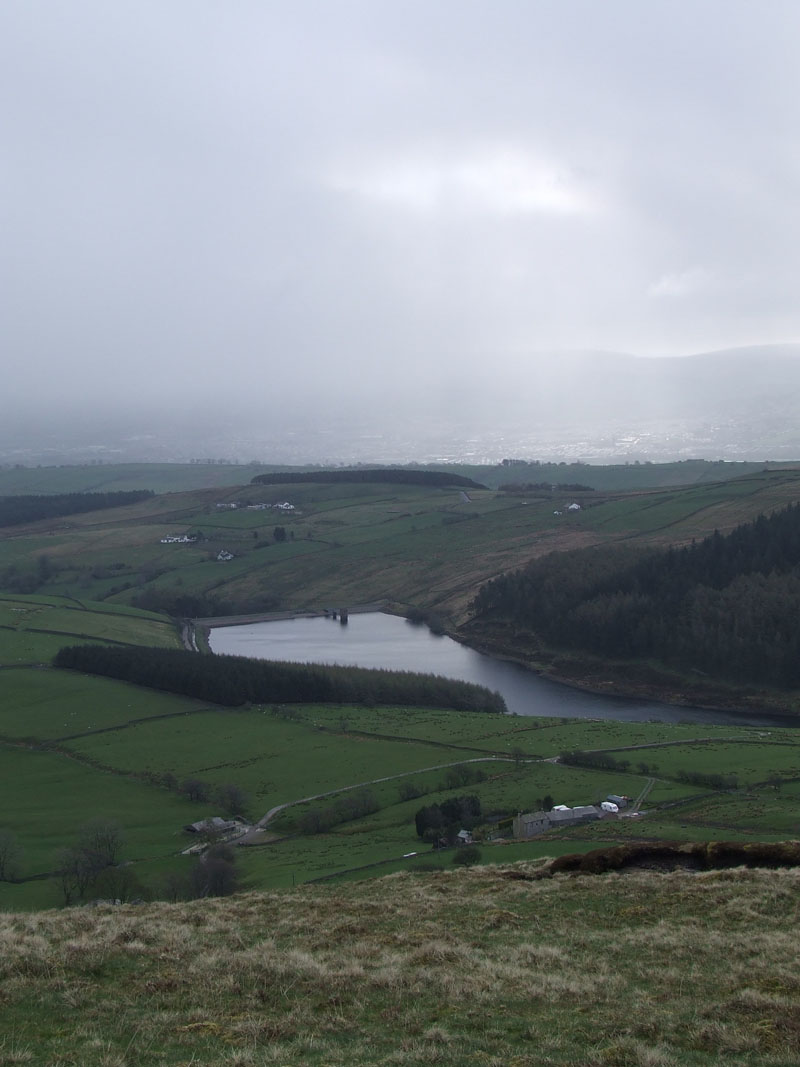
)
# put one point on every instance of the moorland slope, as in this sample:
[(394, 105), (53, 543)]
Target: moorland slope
[(477, 966)]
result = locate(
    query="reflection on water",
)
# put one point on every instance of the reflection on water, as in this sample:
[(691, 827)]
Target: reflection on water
[(377, 640)]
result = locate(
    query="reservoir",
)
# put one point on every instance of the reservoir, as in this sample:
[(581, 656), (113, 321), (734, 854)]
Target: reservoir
[(373, 639)]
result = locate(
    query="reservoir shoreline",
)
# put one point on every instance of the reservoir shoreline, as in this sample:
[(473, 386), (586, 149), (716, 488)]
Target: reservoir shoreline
[(532, 685)]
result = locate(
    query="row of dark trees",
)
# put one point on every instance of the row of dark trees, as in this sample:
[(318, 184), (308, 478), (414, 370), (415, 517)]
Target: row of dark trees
[(388, 475), (456, 777), (725, 606), (601, 761), (604, 761), (15, 510), (236, 680), (181, 605), (346, 808), (545, 487), (228, 796)]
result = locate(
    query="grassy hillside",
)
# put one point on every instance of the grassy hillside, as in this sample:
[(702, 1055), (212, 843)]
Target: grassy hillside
[(476, 966), (350, 544)]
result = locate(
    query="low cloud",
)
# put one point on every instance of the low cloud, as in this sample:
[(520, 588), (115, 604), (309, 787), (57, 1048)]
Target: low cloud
[(496, 181), (681, 284)]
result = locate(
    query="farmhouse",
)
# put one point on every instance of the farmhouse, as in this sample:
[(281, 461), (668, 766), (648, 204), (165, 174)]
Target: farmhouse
[(224, 555), (539, 822), (535, 822)]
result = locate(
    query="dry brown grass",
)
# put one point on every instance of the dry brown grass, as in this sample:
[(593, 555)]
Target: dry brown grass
[(634, 970)]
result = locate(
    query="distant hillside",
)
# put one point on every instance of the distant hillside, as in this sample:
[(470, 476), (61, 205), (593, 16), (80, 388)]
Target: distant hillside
[(454, 968), (602, 407), (176, 477)]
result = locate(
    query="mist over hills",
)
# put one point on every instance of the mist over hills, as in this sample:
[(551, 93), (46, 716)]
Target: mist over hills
[(595, 406)]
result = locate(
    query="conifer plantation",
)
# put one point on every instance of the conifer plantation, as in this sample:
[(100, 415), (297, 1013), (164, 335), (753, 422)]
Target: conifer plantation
[(236, 680), (726, 605)]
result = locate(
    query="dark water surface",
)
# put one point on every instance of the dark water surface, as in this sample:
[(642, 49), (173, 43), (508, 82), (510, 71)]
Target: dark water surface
[(377, 640)]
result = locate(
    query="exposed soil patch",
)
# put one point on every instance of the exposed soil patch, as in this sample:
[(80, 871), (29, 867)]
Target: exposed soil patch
[(673, 856)]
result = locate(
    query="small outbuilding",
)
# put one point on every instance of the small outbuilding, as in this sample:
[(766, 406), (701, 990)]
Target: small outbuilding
[(213, 825)]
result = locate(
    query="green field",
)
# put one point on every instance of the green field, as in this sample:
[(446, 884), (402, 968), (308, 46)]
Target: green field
[(75, 746), (33, 628)]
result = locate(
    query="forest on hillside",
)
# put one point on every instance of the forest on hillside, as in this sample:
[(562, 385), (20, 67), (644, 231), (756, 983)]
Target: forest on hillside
[(15, 510), (390, 476), (726, 606), (236, 680)]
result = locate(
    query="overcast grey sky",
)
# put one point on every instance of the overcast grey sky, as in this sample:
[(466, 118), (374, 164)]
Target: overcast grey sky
[(244, 197)]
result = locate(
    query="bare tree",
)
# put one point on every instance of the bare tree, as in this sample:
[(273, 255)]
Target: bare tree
[(195, 789), (74, 871), (10, 856), (215, 874), (119, 883), (103, 839), (232, 799), (175, 886)]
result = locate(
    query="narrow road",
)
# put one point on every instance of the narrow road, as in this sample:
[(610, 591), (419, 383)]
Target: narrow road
[(266, 819), (643, 795), (188, 636)]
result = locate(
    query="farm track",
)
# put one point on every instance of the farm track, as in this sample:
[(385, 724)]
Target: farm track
[(266, 819)]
